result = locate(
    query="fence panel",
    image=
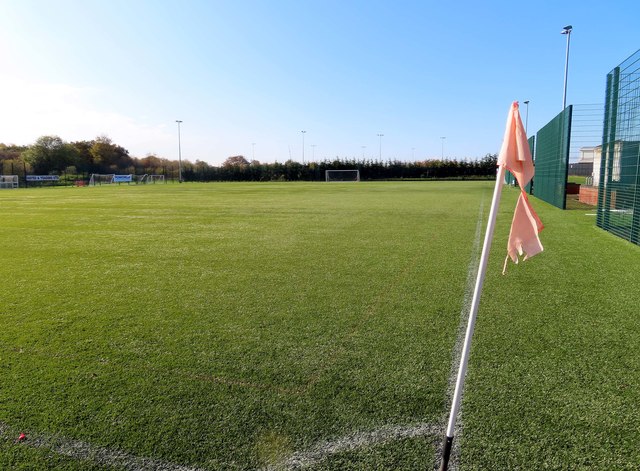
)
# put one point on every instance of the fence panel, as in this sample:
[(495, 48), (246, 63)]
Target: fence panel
[(552, 159), (619, 185)]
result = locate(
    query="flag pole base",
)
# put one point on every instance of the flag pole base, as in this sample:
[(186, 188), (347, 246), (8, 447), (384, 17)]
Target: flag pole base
[(446, 452)]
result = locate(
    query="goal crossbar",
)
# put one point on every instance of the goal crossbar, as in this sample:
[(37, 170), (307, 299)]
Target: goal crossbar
[(342, 175)]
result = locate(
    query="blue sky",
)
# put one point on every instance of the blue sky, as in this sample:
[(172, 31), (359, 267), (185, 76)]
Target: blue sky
[(244, 72)]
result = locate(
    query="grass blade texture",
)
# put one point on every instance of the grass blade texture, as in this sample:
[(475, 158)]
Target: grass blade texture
[(229, 326)]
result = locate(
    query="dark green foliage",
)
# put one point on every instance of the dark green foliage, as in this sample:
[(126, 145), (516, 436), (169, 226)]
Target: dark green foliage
[(369, 170), (49, 154), (81, 158), (109, 157)]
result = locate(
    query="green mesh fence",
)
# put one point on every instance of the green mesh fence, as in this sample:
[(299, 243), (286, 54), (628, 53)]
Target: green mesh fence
[(619, 175), (586, 138), (532, 149), (552, 159)]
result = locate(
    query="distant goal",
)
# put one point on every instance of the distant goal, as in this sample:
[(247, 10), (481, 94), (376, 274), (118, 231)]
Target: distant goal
[(149, 178), (342, 175), (8, 181), (109, 178), (101, 179), (155, 179)]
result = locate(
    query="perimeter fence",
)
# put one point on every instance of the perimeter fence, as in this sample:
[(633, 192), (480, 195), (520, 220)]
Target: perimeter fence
[(568, 145), (619, 187), (552, 159)]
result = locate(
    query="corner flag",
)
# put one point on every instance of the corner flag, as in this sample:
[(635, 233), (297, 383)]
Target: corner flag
[(516, 157)]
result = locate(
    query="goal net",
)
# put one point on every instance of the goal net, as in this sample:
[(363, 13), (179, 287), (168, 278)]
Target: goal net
[(155, 179), (342, 175), (8, 181), (101, 179)]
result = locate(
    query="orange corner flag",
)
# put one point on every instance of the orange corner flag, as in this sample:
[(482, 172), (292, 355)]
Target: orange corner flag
[(515, 156)]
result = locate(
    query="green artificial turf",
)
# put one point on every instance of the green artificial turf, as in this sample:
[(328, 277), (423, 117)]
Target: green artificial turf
[(231, 325), (577, 179), (554, 377)]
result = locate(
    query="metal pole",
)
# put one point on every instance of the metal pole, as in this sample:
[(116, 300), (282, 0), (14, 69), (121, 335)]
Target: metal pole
[(442, 155), (303, 133), (526, 122), (475, 302), (363, 148), (380, 149), (179, 153), (566, 30)]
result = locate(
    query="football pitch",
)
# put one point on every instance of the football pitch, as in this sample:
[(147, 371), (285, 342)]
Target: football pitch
[(245, 326)]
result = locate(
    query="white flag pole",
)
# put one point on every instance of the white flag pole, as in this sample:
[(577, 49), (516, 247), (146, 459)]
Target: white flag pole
[(462, 370)]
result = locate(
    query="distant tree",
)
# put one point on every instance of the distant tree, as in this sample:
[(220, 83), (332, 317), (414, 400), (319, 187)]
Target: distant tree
[(109, 156), (11, 151), (151, 161), (488, 164), (50, 154), (236, 161), (83, 153)]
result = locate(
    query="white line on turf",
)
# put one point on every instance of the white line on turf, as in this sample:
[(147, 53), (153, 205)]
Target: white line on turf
[(82, 451), (355, 441), (472, 273)]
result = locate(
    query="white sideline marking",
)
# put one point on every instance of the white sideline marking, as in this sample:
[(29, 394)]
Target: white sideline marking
[(472, 273), (79, 450), (357, 440)]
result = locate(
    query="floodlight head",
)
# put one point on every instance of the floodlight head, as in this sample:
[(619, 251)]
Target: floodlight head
[(567, 29), (526, 102)]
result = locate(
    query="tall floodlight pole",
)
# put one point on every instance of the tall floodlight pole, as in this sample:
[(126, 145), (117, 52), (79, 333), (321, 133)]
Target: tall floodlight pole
[(566, 30), (380, 148), (526, 120), (363, 148), (179, 153), (442, 153), (303, 133)]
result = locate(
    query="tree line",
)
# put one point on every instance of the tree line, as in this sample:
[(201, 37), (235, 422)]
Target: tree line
[(50, 155)]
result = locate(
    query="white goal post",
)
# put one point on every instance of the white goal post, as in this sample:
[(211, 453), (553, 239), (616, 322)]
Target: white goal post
[(108, 178), (342, 175), (155, 179), (8, 181), (101, 179)]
